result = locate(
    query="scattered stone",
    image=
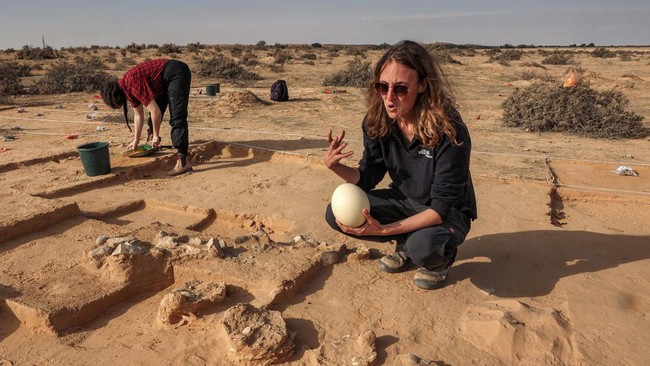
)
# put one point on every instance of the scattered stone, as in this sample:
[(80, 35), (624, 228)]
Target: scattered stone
[(98, 255), (248, 223), (21, 110), (161, 234), (188, 300), (167, 242), (266, 340), (361, 253), (331, 253), (100, 128), (298, 239), (409, 359), (222, 244), (101, 240), (114, 242), (8, 137), (215, 250), (58, 106), (128, 248), (241, 239), (38, 114), (365, 349), (16, 128), (93, 107), (262, 237), (197, 242), (190, 250), (90, 116)]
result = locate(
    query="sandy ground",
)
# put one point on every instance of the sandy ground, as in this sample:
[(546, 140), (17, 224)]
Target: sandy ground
[(548, 275)]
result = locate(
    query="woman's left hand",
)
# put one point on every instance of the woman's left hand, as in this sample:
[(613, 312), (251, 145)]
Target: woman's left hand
[(370, 227)]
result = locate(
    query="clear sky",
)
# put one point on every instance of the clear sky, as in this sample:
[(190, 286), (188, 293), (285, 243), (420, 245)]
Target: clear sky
[(66, 23)]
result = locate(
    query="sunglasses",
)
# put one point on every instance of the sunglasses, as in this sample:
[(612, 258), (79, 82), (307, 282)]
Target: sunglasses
[(400, 90)]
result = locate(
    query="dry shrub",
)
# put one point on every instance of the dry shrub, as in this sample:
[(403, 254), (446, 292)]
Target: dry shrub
[(442, 55), (357, 74), (37, 53), (577, 110), (504, 57), (603, 53), (10, 79), (169, 48), (558, 59), (224, 68), (67, 77)]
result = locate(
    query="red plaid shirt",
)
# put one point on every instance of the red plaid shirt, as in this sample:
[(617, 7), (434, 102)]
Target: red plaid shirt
[(143, 82)]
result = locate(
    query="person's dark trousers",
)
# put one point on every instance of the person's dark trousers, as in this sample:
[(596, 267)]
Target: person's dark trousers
[(433, 248), (176, 84)]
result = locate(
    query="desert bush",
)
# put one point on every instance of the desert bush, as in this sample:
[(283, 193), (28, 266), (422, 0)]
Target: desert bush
[(354, 51), (507, 56), (603, 53), (224, 68), (309, 62), (316, 45), (333, 54), (558, 59), (168, 48), (357, 74), (442, 55), (577, 110), (194, 47), (111, 57), (36, 53), (10, 79), (281, 57), (66, 77), (20, 69), (236, 50), (308, 56), (383, 46), (249, 59)]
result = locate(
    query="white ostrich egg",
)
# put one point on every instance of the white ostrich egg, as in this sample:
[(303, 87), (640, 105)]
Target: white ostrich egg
[(348, 202)]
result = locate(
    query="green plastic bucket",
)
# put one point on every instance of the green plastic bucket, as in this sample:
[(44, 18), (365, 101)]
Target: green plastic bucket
[(95, 158), (212, 89)]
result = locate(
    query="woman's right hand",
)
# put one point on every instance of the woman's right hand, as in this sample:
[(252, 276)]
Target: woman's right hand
[(335, 150), (132, 145)]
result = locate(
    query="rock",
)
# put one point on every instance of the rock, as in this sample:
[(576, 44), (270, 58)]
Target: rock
[(161, 234), (262, 237), (21, 110), (101, 240), (38, 114), (215, 250), (197, 242), (58, 106), (241, 239), (298, 239), (190, 250), (128, 248), (331, 253), (167, 242), (409, 359), (257, 336), (113, 242), (188, 300), (365, 349), (97, 255), (361, 253), (93, 107)]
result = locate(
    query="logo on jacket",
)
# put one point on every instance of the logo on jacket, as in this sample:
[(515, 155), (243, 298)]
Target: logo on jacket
[(426, 153)]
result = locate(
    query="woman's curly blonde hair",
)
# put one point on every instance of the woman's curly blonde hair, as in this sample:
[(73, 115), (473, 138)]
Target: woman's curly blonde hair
[(433, 106)]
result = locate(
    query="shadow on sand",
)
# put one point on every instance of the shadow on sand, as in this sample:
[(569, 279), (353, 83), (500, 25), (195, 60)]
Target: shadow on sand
[(530, 263)]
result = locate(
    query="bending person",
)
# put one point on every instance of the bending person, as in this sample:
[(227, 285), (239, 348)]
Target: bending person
[(154, 85), (413, 132)]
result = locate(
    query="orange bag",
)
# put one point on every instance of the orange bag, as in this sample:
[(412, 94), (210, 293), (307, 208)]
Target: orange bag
[(571, 78)]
